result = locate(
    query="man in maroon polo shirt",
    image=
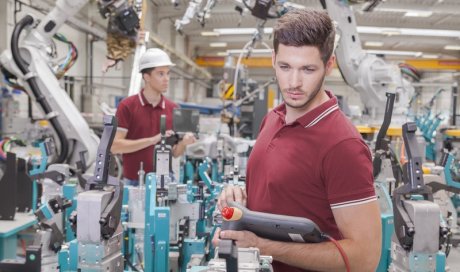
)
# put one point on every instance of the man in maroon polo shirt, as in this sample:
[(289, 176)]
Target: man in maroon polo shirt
[(309, 160), (139, 117)]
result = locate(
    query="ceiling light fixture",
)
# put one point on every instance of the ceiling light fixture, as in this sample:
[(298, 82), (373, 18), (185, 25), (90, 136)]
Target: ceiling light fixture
[(395, 53), (240, 31), (218, 44), (429, 56), (209, 33), (418, 13), (361, 30), (373, 44), (452, 47), (253, 51), (409, 31)]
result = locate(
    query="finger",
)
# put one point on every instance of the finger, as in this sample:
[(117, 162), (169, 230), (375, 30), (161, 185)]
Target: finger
[(238, 195), (215, 238), (231, 235), (229, 195)]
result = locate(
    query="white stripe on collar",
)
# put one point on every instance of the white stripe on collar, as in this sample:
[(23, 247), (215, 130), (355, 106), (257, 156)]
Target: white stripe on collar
[(140, 99), (322, 115), (163, 104)]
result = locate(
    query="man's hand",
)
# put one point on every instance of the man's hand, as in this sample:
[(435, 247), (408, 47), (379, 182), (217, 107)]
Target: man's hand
[(242, 238), (169, 133), (188, 139), (157, 138), (232, 193)]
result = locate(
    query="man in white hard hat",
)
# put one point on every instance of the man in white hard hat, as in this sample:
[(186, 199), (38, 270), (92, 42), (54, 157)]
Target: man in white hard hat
[(139, 117)]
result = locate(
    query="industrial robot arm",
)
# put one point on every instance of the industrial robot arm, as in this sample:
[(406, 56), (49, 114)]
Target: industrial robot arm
[(29, 62), (368, 74)]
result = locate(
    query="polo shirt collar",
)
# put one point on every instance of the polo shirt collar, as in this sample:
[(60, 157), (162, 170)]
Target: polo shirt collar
[(312, 117), (144, 101)]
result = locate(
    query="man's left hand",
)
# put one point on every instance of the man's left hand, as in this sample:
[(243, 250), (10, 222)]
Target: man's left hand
[(188, 139), (242, 238)]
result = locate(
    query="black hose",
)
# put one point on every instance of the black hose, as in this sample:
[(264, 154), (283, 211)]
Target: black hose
[(379, 144), (23, 66)]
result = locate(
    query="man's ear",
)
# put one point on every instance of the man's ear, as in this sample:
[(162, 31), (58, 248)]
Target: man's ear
[(146, 77), (330, 65)]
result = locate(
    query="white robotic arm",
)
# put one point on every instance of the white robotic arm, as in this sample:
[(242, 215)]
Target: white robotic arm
[(368, 74), (29, 62)]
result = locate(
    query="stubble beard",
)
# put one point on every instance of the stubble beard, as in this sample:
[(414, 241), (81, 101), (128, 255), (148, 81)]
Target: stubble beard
[(311, 97)]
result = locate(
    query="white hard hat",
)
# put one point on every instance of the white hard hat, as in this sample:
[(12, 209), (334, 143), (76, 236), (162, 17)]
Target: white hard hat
[(154, 57)]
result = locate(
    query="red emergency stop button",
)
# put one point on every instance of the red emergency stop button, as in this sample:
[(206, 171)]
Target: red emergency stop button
[(227, 213)]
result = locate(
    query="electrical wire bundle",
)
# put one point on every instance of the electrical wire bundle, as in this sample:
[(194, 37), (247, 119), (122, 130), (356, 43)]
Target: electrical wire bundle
[(410, 71), (10, 80), (5, 146), (70, 59)]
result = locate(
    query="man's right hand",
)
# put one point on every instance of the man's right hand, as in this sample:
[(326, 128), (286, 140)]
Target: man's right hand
[(157, 138), (232, 193)]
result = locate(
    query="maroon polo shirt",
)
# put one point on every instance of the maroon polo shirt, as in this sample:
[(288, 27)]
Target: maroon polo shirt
[(140, 119), (309, 167)]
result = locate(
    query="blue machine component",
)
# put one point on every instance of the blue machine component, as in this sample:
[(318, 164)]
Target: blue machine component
[(440, 262), (215, 175), (203, 109), (45, 209), (387, 233), (447, 173), (428, 135), (203, 173), (156, 233), (386, 217), (189, 171), (422, 262), (69, 192), (68, 258), (191, 247)]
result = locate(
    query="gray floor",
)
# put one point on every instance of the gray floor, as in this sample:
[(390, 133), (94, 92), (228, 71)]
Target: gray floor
[(453, 260)]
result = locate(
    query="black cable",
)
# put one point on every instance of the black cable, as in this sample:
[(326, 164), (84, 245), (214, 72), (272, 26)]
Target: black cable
[(130, 264), (23, 66)]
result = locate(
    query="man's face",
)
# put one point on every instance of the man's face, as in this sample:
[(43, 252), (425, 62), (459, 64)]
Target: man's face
[(300, 72), (158, 79)]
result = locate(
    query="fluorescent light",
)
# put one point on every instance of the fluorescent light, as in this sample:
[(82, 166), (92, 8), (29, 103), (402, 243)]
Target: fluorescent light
[(240, 31), (407, 12), (222, 54), (253, 51), (409, 31), (390, 32), (429, 56), (218, 44), (373, 44), (418, 13), (395, 53), (452, 47), (209, 33), (361, 29)]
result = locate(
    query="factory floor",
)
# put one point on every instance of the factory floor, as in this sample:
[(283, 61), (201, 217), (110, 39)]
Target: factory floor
[(453, 260)]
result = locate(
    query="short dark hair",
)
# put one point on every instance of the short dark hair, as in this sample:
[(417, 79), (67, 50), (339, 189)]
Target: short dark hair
[(305, 27), (147, 70)]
